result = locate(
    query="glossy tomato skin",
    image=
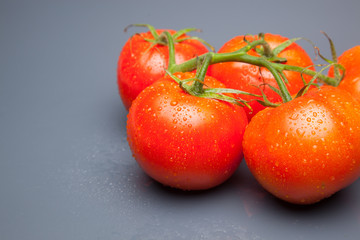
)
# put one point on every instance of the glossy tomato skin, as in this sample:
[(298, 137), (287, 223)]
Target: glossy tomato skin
[(249, 78), (307, 149), (140, 63), (183, 141), (350, 60)]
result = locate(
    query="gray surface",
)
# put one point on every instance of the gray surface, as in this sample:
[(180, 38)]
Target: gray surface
[(66, 171)]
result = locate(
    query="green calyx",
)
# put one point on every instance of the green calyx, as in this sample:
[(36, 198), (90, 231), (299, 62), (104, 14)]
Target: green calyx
[(177, 37), (196, 87), (268, 58)]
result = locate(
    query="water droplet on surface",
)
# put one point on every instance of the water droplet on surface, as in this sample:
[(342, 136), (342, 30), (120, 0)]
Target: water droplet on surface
[(173, 103)]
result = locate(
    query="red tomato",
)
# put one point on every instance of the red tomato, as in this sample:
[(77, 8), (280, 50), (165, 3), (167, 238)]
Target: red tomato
[(184, 141), (350, 59), (140, 63), (306, 149), (248, 78)]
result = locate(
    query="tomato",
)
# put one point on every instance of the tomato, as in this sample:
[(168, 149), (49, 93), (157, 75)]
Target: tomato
[(350, 60), (140, 63), (184, 141), (307, 149), (249, 78)]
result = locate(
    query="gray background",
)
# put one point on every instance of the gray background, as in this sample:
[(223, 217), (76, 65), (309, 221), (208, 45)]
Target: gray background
[(66, 171)]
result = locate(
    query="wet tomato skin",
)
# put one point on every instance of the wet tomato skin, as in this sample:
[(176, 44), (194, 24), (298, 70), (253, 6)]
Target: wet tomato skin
[(306, 149), (141, 63), (183, 141), (350, 60)]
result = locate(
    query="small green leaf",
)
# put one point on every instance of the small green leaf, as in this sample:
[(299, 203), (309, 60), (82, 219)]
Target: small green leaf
[(178, 80), (199, 39), (150, 27), (268, 103), (284, 45), (184, 31), (283, 76), (229, 90)]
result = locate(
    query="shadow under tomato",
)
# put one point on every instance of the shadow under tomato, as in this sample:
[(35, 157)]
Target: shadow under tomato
[(341, 205), (179, 193)]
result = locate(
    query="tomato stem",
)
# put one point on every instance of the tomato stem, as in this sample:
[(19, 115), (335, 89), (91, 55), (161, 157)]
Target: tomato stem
[(284, 93), (170, 43), (201, 73)]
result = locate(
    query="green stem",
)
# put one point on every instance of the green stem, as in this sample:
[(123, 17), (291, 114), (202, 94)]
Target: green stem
[(285, 95), (322, 77), (170, 42), (191, 64), (242, 56), (201, 72), (204, 67)]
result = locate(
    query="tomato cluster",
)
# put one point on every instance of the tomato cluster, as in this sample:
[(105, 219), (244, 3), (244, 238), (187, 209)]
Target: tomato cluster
[(190, 130)]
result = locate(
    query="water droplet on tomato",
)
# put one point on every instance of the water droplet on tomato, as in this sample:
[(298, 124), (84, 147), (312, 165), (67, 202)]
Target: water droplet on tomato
[(300, 132), (311, 100), (295, 116), (314, 148), (173, 103), (319, 121)]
